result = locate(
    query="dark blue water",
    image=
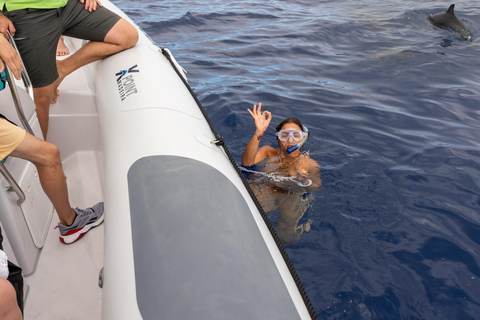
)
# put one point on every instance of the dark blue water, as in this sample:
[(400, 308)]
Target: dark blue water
[(393, 106)]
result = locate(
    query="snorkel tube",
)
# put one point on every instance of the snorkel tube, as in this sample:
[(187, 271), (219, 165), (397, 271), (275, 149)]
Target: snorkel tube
[(291, 149)]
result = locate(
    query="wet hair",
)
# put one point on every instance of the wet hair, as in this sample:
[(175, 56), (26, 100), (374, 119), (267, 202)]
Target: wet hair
[(289, 120)]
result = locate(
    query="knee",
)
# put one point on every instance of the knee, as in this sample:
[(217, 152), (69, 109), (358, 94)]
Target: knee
[(52, 155), (6, 289), (123, 34), (43, 97), (131, 36), (8, 301)]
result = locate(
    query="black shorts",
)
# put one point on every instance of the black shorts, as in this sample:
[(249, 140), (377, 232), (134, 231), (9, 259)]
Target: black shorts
[(38, 32)]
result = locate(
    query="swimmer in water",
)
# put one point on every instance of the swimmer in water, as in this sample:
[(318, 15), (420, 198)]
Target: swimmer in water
[(287, 158), (290, 174)]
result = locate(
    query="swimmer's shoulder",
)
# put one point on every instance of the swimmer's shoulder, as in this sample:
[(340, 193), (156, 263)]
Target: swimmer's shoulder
[(265, 152), (269, 151), (312, 164)]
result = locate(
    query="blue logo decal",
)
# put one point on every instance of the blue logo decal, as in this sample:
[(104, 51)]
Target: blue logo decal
[(126, 84)]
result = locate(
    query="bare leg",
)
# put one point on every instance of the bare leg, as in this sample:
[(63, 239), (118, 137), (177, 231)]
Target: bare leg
[(269, 199), (122, 36), (291, 211), (46, 157), (42, 102), (9, 309)]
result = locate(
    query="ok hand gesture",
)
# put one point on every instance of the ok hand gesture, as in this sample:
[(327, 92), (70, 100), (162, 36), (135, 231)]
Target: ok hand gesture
[(262, 119)]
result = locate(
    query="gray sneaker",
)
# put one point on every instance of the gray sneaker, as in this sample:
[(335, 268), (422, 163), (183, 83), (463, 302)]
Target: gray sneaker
[(84, 221)]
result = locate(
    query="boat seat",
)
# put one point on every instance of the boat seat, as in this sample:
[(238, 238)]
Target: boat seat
[(188, 242)]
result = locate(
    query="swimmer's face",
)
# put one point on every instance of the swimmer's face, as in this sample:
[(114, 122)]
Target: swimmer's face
[(290, 141)]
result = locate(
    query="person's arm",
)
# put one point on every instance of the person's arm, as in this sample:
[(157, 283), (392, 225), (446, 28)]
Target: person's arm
[(11, 58), (252, 154)]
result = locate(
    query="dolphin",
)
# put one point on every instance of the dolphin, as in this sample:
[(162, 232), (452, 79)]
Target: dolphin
[(448, 20)]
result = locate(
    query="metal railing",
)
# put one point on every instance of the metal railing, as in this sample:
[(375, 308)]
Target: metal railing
[(14, 187), (14, 91)]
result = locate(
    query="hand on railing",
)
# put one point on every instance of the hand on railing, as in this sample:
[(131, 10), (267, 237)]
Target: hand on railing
[(25, 77), (10, 57), (6, 26), (13, 86)]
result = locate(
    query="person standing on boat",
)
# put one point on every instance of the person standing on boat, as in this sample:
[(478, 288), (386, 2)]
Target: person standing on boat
[(74, 223), (287, 175), (11, 291), (38, 25), (16, 142)]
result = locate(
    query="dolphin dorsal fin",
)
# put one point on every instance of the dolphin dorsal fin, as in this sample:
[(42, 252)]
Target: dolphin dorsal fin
[(450, 10)]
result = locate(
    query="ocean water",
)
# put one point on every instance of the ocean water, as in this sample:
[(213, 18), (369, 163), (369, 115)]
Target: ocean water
[(393, 107)]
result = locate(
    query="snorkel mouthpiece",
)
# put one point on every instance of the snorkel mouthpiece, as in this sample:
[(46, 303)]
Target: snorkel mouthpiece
[(291, 149)]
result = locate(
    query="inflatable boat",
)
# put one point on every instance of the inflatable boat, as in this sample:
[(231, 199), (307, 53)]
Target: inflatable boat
[(183, 237)]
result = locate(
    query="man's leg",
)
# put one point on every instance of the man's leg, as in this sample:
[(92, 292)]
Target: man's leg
[(37, 34), (9, 309), (122, 36), (42, 98), (46, 158)]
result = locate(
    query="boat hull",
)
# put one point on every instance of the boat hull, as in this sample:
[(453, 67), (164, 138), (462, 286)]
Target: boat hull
[(183, 237)]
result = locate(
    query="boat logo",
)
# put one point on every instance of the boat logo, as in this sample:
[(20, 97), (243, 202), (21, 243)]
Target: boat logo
[(126, 82)]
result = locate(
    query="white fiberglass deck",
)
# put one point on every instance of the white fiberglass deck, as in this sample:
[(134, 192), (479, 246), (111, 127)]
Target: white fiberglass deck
[(65, 282)]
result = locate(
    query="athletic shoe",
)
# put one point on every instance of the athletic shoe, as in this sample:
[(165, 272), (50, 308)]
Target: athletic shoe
[(84, 221)]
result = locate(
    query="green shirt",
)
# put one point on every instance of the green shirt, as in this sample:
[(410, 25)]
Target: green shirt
[(34, 4)]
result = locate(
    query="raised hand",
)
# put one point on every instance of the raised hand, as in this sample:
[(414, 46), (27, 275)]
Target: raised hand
[(262, 119), (252, 153)]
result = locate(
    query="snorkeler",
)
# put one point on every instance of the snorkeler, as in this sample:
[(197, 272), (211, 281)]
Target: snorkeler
[(287, 175), (288, 159)]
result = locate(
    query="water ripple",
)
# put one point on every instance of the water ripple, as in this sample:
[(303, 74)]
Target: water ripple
[(393, 107)]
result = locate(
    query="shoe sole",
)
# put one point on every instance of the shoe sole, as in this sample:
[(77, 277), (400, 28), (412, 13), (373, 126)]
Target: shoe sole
[(81, 232)]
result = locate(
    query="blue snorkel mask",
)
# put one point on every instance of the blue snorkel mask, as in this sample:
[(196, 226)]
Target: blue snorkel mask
[(300, 136)]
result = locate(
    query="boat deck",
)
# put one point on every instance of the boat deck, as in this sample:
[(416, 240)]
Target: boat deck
[(65, 282)]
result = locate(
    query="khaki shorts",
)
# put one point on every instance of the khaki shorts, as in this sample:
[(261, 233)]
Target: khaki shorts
[(10, 137)]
